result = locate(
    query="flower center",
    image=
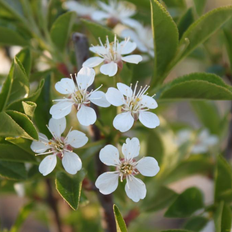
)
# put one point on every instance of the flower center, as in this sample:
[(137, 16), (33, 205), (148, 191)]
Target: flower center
[(57, 146), (127, 168)]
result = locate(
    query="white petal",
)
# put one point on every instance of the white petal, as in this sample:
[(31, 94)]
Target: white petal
[(130, 22), (114, 97), (71, 162), (148, 166), (149, 102), (107, 8), (123, 122), (65, 86), (86, 116), (61, 109), (199, 149), (131, 148), (109, 155), (125, 89), (76, 138), (109, 69), (85, 77), (149, 119), (93, 62), (135, 59), (99, 15), (99, 99), (48, 164), (135, 189), (57, 126), (98, 49), (81, 10), (107, 182), (41, 145), (127, 47), (212, 140)]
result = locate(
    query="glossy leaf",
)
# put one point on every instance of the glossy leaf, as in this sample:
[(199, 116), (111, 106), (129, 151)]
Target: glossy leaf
[(24, 56), (61, 28), (228, 39), (70, 187), (186, 204), (175, 3), (197, 86), (200, 5), (120, 223), (196, 223), (165, 35)]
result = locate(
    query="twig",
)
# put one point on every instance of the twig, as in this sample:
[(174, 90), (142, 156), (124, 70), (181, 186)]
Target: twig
[(108, 222)]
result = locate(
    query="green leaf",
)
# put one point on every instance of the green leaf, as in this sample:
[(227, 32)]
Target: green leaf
[(22, 216), (120, 223), (205, 108), (24, 56), (223, 178), (13, 170), (165, 34), (185, 21), (228, 39), (10, 152), (11, 37), (226, 196), (211, 22), (29, 108), (175, 3), (186, 203), (70, 187), (196, 86), (165, 195), (16, 124), (222, 218), (98, 31), (196, 223), (176, 231), (200, 5), (61, 29)]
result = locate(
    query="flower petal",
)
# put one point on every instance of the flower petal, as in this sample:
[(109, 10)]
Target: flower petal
[(126, 47), (57, 126), (135, 189), (109, 69), (92, 62), (76, 139), (123, 122), (101, 50), (130, 22), (149, 119), (212, 140), (86, 116), (125, 89), (131, 148), (109, 155), (48, 164), (99, 99), (65, 86), (149, 102), (199, 149), (114, 97), (134, 59), (148, 166), (41, 145), (85, 77), (71, 162), (61, 109), (99, 15), (107, 182)]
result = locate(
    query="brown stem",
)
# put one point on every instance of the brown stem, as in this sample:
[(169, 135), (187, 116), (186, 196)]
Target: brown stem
[(134, 213), (108, 222)]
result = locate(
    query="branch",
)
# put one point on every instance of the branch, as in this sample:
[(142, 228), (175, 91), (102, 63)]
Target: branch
[(108, 222)]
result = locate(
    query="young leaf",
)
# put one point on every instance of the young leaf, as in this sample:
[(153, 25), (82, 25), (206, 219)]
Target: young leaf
[(29, 108), (120, 223), (211, 22), (196, 86), (196, 223), (175, 3), (24, 56), (61, 29), (223, 178), (200, 5), (70, 187), (228, 39), (186, 203), (98, 31), (165, 34)]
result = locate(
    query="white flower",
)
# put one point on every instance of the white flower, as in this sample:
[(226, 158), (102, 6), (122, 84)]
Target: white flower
[(79, 96), (111, 56), (135, 105), (115, 12), (126, 168), (201, 143), (82, 10), (143, 38), (59, 146)]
